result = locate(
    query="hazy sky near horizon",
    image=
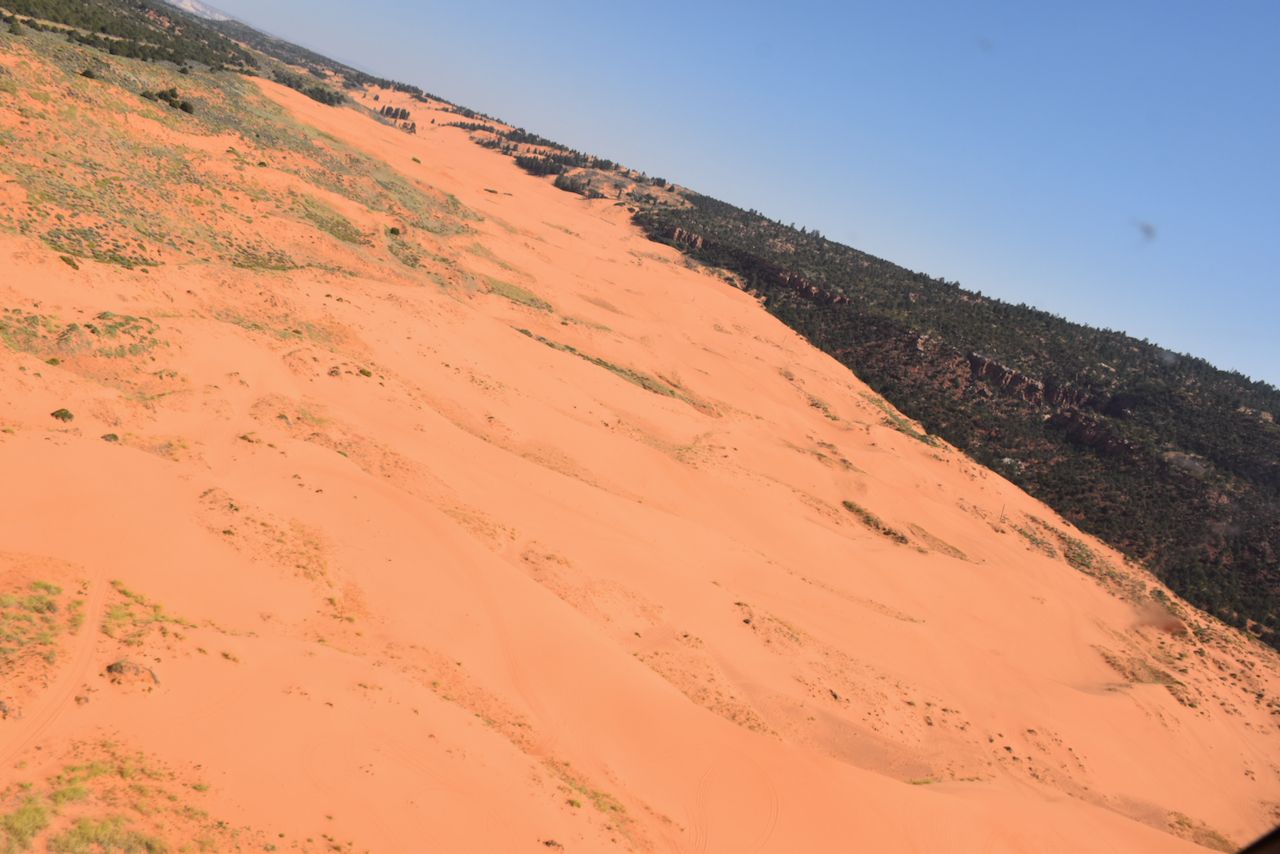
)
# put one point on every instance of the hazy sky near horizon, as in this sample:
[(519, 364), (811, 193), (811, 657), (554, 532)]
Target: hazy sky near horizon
[(1115, 163)]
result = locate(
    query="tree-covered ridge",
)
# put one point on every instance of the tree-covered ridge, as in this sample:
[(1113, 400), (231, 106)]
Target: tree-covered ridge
[(140, 29), (1173, 461)]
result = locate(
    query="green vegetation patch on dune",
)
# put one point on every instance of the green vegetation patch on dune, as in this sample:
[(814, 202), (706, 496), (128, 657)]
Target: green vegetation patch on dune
[(31, 620), (1037, 541), (330, 221), (106, 335), (113, 800), (19, 827), (898, 422), (109, 834), (873, 522), (634, 377), (517, 294), (131, 616)]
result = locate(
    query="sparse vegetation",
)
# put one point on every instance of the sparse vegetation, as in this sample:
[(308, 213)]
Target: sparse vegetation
[(935, 543), (1077, 553), (105, 335), (108, 834), (406, 253), (264, 259), (634, 377), (1036, 540), (21, 825), (873, 522), (331, 222), (517, 294), (112, 801), (898, 422), (821, 405), (131, 617), (32, 620)]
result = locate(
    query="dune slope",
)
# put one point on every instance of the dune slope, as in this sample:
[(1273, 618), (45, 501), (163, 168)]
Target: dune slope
[(365, 493)]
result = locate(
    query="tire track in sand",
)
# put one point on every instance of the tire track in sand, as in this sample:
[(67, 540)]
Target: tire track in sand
[(701, 818), (49, 707)]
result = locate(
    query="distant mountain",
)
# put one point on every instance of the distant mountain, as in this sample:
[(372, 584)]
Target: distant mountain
[(202, 10)]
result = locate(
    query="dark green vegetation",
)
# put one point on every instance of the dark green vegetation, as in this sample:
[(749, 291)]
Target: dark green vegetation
[(311, 89), (171, 97)]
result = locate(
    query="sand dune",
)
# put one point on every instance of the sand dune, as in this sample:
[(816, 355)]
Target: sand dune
[(550, 540)]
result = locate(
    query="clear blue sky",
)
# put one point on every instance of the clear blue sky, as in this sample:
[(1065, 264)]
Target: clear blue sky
[(1115, 163)]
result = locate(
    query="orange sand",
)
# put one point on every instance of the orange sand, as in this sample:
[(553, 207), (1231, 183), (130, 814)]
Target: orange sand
[(494, 596)]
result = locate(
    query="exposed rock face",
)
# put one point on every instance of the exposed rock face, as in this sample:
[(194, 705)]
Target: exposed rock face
[(1006, 380), (808, 289), (1013, 382), (684, 238)]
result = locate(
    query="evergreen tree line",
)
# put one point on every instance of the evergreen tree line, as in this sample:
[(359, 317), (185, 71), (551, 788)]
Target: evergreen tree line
[(314, 91)]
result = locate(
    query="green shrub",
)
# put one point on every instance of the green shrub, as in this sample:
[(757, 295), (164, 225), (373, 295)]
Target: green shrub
[(20, 827)]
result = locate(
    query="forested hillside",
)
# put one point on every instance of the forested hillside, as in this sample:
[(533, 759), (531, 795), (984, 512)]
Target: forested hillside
[(140, 29)]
